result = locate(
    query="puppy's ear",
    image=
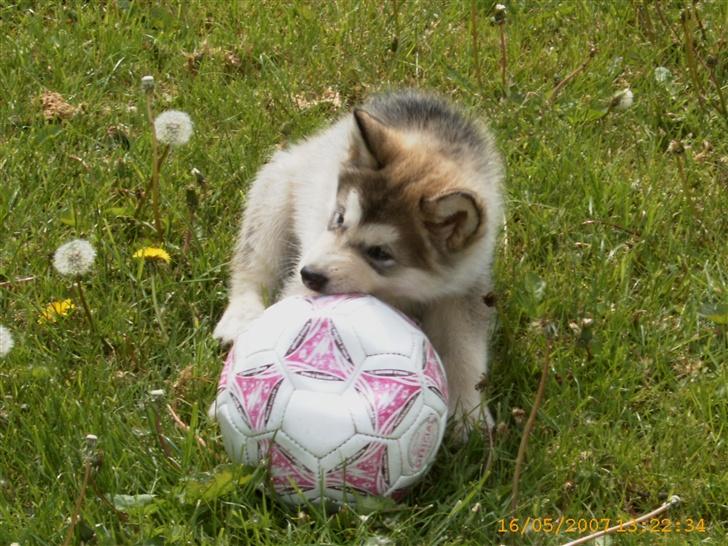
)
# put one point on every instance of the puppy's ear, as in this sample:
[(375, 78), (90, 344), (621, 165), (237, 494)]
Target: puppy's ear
[(373, 143), (453, 219)]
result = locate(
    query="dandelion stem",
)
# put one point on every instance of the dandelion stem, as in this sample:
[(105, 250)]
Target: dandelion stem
[(154, 182), (685, 184), (529, 427), (504, 59), (184, 427), (474, 35), (685, 18), (86, 308), (79, 502), (578, 70)]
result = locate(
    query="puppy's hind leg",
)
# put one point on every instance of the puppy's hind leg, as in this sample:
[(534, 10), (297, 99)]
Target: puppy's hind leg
[(459, 328), (261, 252)]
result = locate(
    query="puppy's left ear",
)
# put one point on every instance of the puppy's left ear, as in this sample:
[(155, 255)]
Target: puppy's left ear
[(453, 219), (374, 144)]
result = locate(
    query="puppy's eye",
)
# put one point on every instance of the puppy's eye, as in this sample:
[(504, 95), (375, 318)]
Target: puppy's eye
[(337, 220), (379, 254)]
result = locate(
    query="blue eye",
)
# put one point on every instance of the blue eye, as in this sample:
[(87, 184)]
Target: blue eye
[(338, 218)]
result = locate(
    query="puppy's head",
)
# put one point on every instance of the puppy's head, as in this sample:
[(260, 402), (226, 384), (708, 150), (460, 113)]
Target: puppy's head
[(403, 219)]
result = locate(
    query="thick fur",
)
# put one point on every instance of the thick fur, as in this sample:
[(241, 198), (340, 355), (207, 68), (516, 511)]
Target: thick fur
[(400, 199)]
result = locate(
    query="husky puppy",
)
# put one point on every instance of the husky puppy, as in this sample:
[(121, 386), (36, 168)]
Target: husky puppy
[(400, 199)]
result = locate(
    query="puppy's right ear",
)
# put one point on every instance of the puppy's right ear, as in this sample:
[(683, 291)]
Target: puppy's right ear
[(373, 143)]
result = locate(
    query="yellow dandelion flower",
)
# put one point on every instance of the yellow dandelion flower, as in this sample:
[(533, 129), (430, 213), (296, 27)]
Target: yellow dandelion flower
[(56, 310), (153, 253)]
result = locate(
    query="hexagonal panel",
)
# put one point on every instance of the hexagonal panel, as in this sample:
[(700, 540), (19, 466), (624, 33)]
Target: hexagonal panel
[(259, 394), (393, 398), (320, 357), (363, 465), (278, 323), (318, 422)]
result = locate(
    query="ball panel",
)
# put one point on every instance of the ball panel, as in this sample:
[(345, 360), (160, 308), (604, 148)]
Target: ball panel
[(434, 372), (254, 391), (319, 421), (360, 466), (292, 469), (276, 323), (318, 358), (393, 399), (419, 444)]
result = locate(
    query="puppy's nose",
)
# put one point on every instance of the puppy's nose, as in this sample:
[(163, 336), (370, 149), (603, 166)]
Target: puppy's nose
[(313, 280)]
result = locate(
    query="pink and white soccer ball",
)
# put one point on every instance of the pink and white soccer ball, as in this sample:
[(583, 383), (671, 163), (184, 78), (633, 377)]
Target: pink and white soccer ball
[(342, 396)]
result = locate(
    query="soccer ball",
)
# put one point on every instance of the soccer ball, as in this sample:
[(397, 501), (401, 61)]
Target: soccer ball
[(341, 396)]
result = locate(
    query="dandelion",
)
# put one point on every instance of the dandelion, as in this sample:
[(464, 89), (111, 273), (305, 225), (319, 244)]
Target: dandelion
[(662, 74), (74, 258), (622, 100), (6, 341), (173, 127), (148, 84), (153, 253), (55, 310), (157, 395)]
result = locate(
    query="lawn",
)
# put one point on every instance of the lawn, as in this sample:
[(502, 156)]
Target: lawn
[(613, 267)]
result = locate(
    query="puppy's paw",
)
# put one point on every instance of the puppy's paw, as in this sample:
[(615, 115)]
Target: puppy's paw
[(476, 421), (239, 313)]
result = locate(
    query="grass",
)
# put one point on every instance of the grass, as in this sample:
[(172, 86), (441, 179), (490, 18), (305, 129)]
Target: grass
[(609, 244)]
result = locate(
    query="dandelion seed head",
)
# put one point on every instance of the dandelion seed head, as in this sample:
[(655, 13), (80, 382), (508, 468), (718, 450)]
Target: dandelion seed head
[(662, 74), (74, 258), (173, 127), (6, 341), (622, 100), (148, 83)]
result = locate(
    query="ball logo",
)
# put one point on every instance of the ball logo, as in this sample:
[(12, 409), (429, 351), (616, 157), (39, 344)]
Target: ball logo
[(423, 442)]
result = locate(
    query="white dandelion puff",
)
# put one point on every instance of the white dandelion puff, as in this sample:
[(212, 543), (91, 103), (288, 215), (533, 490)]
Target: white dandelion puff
[(662, 74), (74, 258), (6, 341), (622, 100), (173, 127)]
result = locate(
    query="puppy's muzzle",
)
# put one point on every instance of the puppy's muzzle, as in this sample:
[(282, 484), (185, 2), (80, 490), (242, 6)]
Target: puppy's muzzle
[(313, 279)]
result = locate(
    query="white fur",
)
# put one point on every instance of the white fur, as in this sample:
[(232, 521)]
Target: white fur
[(352, 216)]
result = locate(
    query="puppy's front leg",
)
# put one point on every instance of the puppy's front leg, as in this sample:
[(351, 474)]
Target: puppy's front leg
[(459, 328), (263, 244)]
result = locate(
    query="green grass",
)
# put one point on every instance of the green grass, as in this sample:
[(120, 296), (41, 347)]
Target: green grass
[(599, 226)]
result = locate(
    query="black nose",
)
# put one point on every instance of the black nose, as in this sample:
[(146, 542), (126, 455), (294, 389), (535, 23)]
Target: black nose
[(313, 280)]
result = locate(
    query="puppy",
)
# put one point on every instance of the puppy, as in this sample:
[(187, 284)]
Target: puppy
[(400, 199)]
